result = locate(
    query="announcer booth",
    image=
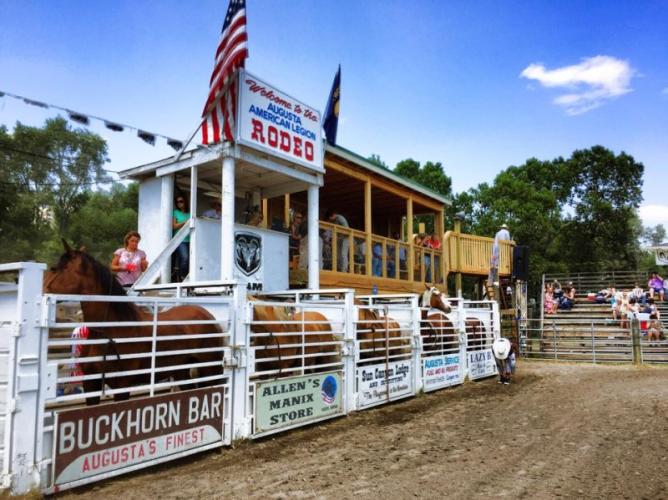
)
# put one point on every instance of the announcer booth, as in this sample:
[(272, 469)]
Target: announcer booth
[(278, 150)]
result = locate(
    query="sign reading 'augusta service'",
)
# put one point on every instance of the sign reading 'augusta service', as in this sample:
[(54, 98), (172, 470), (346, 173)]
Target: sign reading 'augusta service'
[(280, 125)]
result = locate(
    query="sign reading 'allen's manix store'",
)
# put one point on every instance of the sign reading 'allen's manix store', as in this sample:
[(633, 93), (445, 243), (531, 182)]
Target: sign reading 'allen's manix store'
[(107, 437), (297, 399)]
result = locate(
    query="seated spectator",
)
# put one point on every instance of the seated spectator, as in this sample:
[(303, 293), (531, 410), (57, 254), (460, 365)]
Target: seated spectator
[(655, 330), (603, 296), (651, 309), (638, 294), (570, 291), (215, 212), (548, 301), (434, 242), (655, 285)]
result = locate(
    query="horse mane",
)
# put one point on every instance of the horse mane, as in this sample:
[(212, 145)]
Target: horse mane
[(107, 280)]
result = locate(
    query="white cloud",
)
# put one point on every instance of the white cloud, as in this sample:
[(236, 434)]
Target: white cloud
[(651, 215), (591, 83)]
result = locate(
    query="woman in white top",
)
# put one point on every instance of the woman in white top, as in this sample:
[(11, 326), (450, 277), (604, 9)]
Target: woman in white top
[(129, 262)]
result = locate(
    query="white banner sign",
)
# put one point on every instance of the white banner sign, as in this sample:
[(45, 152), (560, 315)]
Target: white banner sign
[(481, 364), (375, 382), (278, 124), (442, 371), (661, 254)]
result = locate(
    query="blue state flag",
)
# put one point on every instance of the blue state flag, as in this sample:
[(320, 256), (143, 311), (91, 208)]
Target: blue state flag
[(332, 112)]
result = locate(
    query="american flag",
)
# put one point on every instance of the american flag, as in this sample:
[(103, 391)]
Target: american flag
[(219, 112)]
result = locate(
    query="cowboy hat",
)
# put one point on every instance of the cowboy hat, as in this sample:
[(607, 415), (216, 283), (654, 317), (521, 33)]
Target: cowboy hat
[(501, 348), (504, 226)]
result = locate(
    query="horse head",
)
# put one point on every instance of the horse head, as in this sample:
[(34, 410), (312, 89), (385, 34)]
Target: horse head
[(432, 297), (78, 273)]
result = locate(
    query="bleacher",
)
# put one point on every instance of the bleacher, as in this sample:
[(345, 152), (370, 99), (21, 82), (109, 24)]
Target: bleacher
[(587, 332)]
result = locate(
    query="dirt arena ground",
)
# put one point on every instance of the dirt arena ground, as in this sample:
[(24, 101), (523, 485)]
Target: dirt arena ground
[(561, 430)]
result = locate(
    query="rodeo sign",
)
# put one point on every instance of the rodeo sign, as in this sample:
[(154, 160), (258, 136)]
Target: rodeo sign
[(274, 122)]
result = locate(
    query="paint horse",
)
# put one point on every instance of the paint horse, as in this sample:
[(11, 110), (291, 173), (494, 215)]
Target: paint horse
[(379, 336), (438, 332), (80, 274), (291, 342)]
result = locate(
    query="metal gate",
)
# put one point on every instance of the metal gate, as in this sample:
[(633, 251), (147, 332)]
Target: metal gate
[(482, 325), (155, 397), (387, 340), (443, 354), (296, 359), (161, 385)]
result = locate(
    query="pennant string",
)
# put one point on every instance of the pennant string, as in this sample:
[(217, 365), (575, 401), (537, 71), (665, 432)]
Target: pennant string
[(85, 119)]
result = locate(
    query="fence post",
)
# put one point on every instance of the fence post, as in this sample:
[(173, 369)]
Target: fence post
[(593, 343), (635, 336), (554, 338), (25, 398)]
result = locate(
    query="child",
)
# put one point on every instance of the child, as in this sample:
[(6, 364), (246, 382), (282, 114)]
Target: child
[(655, 329)]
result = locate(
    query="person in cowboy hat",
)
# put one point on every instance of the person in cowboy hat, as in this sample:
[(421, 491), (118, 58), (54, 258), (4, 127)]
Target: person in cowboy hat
[(504, 355), (501, 235)]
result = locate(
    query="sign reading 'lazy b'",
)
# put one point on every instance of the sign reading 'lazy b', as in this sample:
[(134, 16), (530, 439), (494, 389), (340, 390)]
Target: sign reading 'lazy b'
[(278, 124)]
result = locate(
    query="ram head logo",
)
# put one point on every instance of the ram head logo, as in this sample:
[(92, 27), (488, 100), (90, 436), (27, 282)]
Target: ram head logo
[(247, 252)]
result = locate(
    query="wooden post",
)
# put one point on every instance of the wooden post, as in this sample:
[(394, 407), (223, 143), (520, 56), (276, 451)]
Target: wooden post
[(635, 335), (286, 211), (410, 264), (367, 226), (458, 259), (265, 213), (440, 234)]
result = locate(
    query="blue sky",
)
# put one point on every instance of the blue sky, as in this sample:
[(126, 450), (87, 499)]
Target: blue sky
[(477, 86)]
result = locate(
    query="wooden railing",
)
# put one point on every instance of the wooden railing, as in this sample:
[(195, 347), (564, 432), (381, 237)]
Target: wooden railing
[(469, 254), (389, 258)]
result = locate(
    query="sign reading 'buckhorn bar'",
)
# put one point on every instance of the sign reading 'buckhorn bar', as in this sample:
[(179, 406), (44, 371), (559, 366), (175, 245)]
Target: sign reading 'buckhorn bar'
[(104, 438)]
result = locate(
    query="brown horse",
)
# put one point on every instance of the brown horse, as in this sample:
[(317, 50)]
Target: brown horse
[(80, 274), (476, 335), (379, 336), (438, 332), (285, 339)]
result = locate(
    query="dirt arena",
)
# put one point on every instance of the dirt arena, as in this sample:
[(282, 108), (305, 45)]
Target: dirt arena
[(561, 430)]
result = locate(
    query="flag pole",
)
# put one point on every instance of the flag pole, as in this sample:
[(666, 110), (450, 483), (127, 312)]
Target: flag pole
[(185, 144)]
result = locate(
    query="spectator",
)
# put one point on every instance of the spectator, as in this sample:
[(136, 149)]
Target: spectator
[(181, 217), (501, 235), (129, 262), (377, 259), (548, 301), (342, 246), (638, 294), (651, 309), (655, 285), (296, 233), (434, 242), (655, 330), (215, 212)]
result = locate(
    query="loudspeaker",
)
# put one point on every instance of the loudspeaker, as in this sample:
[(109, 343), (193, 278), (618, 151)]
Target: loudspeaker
[(521, 262)]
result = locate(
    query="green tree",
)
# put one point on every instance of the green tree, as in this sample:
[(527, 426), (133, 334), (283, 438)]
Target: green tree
[(654, 236), (103, 220), (45, 174), (605, 191), (430, 175), (377, 160)]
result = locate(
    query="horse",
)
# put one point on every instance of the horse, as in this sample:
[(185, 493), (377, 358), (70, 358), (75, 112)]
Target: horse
[(78, 273), (379, 336), (436, 327), (476, 335), (289, 335)]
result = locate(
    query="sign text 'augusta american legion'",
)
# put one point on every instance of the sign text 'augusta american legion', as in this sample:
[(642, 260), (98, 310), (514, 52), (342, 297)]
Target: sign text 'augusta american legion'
[(278, 124)]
